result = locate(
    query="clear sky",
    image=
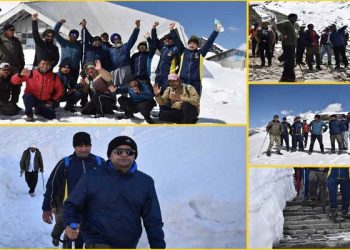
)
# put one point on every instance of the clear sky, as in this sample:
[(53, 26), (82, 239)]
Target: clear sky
[(198, 18), (268, 100)]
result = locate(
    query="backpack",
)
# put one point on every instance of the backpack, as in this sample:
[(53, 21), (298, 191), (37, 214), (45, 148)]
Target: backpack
[(67, 161)]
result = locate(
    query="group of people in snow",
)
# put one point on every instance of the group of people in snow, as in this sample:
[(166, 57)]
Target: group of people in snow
[(317, 182), (97, 203), (279, 133), (106, 70), (295, 43)]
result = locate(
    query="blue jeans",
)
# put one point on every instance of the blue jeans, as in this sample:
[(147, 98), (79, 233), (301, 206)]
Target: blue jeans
[(31, 102), (298, 139), (344, 189)]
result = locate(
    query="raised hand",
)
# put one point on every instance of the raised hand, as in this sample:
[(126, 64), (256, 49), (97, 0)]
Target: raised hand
[(62, 21), (98, 65), (172, 26), (156, 89), (138, 23), (155, 24), (35, 16)]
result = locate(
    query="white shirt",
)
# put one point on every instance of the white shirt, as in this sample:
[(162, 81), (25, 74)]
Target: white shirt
[(31, 162)]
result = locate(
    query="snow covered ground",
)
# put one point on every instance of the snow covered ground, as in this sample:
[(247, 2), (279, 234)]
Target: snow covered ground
[(223, 100), (270, 189), (200, 185), (294, 158)]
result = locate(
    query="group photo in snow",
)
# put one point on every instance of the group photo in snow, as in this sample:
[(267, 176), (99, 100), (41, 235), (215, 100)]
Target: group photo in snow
[(290, 42), (104, 187), (307, 124), (309, 210), (107, 76)]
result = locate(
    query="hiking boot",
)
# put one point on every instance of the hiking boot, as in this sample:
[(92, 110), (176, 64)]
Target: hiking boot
[(70, 109), (279, 153), (149, 120), (332, 151), (345, 214), (318, 67), (98, 115), (337, 68), (30, 118), (339, 152), (310, 152), (55, 242), (330, 64), (268, 153), (32, 194), (332, 213)]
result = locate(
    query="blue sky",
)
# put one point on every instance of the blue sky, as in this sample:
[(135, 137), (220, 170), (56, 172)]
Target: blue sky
[(198, 18), (268, 100)]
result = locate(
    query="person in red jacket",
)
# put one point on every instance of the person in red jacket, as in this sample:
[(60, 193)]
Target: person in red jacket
[(43, 90), (306, 130)]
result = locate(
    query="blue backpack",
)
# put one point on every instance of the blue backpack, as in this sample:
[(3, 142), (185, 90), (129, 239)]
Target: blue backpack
[(97, 158)]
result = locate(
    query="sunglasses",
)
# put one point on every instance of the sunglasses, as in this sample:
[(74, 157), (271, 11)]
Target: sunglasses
[(120, 151)]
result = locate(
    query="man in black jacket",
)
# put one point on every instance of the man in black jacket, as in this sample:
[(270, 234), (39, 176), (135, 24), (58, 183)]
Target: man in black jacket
[(112, 202), (6, 107), (44, 48)]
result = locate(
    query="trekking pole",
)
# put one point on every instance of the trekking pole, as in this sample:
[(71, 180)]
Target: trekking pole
[(42, 177), (262, 145)]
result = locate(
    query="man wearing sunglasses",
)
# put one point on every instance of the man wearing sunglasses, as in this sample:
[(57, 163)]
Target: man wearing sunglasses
[(114, 200), (11, 52), (44, 48), (6, 107)]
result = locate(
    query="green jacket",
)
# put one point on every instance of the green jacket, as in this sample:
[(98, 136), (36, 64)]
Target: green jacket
[(25, 161), (11, 51), (274, 128), (287, 28)]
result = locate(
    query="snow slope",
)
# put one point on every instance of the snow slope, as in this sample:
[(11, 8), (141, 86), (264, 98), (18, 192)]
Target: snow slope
[(223, 99), (270, 189), (200, 185)]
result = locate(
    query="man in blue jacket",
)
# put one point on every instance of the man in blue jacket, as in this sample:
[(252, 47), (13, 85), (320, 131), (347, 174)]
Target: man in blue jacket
[(317, 127), (112, 202), (339, 176), (191, 69), (337, 39), (70, 49), (344, 131), (63, 179), (335, 133), (285, 131), (140, 99), (120, 56), (297, 128)]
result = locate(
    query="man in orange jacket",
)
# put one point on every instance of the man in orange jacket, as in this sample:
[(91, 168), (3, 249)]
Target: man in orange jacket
[(43, 90)]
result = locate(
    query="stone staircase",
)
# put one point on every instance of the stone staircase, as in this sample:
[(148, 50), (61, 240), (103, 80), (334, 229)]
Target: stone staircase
[(307, 227)]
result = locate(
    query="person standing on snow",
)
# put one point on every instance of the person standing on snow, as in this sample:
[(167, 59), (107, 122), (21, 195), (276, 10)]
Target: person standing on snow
[(344, 131), (107, 205), (326, 45), (337, 39), (312, 47), (265, 37), (301, 43), (306, 130), (297, 127), (63, 179), (274, 128), (317, 127), (285, 131), (335, 133), (31, 163)]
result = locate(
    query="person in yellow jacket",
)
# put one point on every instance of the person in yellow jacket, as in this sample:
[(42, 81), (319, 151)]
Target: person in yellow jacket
[(182, 98)]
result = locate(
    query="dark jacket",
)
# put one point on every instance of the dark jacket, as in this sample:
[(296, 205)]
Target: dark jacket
[(67, 81), (141, 62), (64, 178), (339, 173), (96, 53), (38, 160), (72, 51), (113, 204), (44, 50), (308, 38), (334, 127), (191, 68), (301, 41), (297, 128), (287, 28), (5, 89), (11, 52), (344, 125), (120, 56), (168, 54), (337, 37), (146, 94), (284, 128)]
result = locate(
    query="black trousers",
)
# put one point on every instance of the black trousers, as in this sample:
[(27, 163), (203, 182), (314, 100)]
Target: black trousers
[(32, 180), (265, 51), (131, 107), (300, 53), (100, 104), (186, 115), (340, 51), (313, 139), (289, 55), (286, 139), (254, 43)]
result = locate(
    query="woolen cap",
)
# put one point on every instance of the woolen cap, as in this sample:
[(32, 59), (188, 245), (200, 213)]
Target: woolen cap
[(81, 138), (121, 140)]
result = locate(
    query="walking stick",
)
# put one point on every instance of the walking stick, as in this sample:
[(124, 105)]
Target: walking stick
[(262, 144), (42, 177)]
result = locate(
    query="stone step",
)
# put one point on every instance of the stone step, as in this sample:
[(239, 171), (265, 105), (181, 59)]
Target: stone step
[(305, 217), (315, 231), (329, 225)]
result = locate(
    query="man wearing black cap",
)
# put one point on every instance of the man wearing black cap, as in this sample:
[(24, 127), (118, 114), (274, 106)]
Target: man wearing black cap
[(297, 128), (44, 48), (140, 99), (192, 60), (335, 133), (286, 129), (170, 52), (105, 40), (71, 49), (11, 52), (63, 179), (317, 128), (6, 107), (114, 201), (289, 41), (274, 128)]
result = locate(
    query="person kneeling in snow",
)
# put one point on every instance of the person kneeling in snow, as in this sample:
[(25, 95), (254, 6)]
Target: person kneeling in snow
[(184, 101), (43, 90), (110, 202), (140, 99), (6, 107)]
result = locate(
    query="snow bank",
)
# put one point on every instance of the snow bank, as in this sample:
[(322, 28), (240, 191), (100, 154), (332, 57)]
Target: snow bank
[(270, 189)]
